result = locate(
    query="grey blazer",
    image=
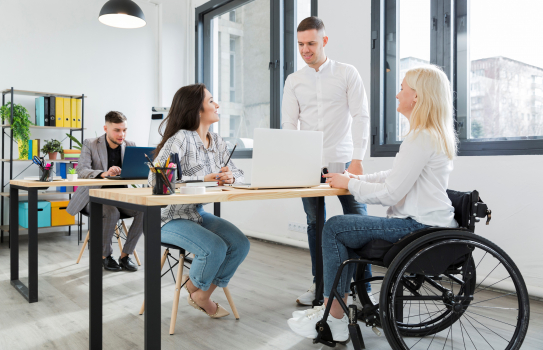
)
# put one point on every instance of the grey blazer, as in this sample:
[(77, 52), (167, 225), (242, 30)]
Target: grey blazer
[(92, 162)]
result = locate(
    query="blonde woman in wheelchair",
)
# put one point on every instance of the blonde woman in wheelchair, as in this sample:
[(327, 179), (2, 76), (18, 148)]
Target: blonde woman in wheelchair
[(414, 189)]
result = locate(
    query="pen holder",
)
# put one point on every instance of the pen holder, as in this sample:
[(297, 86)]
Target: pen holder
[(46, 175), (164, 180)]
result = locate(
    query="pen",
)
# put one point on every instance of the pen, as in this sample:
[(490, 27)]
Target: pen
[(233, 149)]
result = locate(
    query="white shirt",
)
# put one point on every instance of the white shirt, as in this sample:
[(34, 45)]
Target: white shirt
[(416, 185), (332, 100)]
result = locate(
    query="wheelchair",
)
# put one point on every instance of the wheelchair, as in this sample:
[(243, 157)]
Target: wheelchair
[(444, 288)]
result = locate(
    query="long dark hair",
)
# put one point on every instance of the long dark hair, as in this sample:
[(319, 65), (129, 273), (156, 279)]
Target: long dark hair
[(187, 104)]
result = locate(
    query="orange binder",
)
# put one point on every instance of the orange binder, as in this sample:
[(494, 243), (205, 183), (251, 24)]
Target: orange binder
[(67, 115), (59, 111), (73, 113), (79, 113)]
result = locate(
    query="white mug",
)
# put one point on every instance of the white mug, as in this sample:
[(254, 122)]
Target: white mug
[(334, 167)]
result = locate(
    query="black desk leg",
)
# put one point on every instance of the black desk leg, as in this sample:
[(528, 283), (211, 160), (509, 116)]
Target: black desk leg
[(30, 292), (319, 272), (95, 277), (14, 235), (151, 231), (32, 245), (217, 209)]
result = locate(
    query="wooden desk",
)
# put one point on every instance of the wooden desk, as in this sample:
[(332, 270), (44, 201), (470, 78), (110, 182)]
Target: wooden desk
[(32, 187), (140, 199)]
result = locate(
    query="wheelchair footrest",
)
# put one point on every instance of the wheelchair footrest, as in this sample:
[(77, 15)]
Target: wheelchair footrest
[(324, 334)]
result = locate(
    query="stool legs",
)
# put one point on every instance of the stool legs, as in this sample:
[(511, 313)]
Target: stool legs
[(162, 261), (177, 292), (231, 302), (83, 247)]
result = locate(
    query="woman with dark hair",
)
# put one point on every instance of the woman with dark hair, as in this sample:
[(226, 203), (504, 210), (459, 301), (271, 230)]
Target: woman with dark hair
[(218, 246)]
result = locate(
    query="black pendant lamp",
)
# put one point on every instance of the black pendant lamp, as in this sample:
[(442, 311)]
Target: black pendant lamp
[(122, 14)]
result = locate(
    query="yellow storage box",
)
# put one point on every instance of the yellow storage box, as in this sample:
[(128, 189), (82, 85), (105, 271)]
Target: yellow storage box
[(59, 215)]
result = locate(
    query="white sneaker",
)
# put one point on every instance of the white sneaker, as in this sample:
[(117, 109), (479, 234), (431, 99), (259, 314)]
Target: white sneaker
[(305, 326), (308, 297), (302, 313)]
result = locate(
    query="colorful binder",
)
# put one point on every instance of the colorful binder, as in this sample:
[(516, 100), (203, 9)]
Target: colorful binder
[(30, 149), (61, 171), (38, 147), (59, 111), (52, 111), (39, 110), (35, 150), (46, 111), (79, 112), (67, 113), (73, 113)]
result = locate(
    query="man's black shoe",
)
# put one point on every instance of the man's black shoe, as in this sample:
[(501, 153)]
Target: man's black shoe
[(110, 264), (127, 264)]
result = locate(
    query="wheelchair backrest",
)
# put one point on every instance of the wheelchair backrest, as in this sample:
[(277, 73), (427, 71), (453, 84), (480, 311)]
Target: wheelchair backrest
[(468, 207)]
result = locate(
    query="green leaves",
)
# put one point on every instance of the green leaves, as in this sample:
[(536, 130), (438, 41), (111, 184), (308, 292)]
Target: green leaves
[(52, 146), (79, 145), (71, 171), (21, 121)]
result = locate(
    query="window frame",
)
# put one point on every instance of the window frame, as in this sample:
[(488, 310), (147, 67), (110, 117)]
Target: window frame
[(444, 54), (280, 50)]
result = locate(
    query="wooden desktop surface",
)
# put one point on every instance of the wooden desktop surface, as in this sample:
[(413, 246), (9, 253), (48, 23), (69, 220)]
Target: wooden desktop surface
[(143, 196)]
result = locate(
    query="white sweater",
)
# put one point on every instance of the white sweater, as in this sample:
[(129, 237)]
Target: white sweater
[(415, 187)]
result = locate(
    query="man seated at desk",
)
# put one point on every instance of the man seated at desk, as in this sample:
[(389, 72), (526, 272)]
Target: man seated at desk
[(101, 157)]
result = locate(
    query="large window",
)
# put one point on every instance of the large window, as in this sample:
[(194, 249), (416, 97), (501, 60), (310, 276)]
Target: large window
[(486, 49), (245, 51)]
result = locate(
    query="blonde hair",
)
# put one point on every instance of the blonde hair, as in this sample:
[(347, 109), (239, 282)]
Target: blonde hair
[(434, 109)]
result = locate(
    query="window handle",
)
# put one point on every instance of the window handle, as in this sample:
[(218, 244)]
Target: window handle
[(274, 64)]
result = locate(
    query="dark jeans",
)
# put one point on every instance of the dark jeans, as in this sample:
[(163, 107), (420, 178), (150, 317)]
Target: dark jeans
[(343, 234), (350, 206)]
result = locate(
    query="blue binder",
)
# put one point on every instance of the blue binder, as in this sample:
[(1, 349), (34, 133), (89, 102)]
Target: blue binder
[(40, 109), (60, 171)]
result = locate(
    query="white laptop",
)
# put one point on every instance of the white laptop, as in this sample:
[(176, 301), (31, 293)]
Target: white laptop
[(285, 159)]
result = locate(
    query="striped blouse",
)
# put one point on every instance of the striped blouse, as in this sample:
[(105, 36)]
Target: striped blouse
[(196, 162)]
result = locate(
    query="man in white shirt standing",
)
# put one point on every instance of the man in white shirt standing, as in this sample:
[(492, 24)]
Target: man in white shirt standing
[(327, 96)]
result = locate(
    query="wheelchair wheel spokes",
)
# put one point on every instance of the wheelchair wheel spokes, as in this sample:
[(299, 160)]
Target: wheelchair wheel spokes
[(478, 302)]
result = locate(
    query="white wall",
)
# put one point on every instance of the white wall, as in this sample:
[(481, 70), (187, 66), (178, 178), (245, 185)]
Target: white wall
[(60, 46), (511, 185)]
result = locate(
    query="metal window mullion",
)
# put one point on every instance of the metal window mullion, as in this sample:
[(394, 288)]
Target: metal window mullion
[(377, 95), (277, 57)]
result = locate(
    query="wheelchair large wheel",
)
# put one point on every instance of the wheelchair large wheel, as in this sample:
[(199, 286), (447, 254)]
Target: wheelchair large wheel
[(454, 290)]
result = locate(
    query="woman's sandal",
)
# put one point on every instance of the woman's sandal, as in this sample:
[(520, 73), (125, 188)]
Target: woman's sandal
[(221, 312)]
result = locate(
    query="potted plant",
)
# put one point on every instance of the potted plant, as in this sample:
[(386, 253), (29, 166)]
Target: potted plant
[(72, 175), (52, 148), (20, 127)]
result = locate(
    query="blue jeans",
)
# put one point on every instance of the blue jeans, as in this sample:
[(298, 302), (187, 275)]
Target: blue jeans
[(218, 246), (343, 234), (350, 206)]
